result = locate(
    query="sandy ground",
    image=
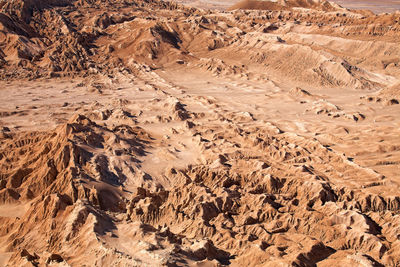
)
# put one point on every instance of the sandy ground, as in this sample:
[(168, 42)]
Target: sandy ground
[(374, 5), (372, 141), (153, 134)]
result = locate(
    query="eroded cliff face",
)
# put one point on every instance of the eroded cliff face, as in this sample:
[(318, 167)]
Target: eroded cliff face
[(145, 133)]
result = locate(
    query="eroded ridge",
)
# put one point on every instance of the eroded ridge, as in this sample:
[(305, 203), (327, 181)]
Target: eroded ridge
[(146, 133)]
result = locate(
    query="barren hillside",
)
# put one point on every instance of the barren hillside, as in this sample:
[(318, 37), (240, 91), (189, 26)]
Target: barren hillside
[(148, 133)]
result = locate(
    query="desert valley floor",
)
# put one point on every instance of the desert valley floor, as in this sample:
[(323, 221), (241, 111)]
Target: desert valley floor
[(151, 133)]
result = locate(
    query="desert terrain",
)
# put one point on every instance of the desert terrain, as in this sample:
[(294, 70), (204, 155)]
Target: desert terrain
[(376, 6), (385, 6), (151, 133)]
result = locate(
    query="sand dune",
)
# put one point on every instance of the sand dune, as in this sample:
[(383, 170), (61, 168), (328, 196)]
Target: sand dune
[(148, 133)]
